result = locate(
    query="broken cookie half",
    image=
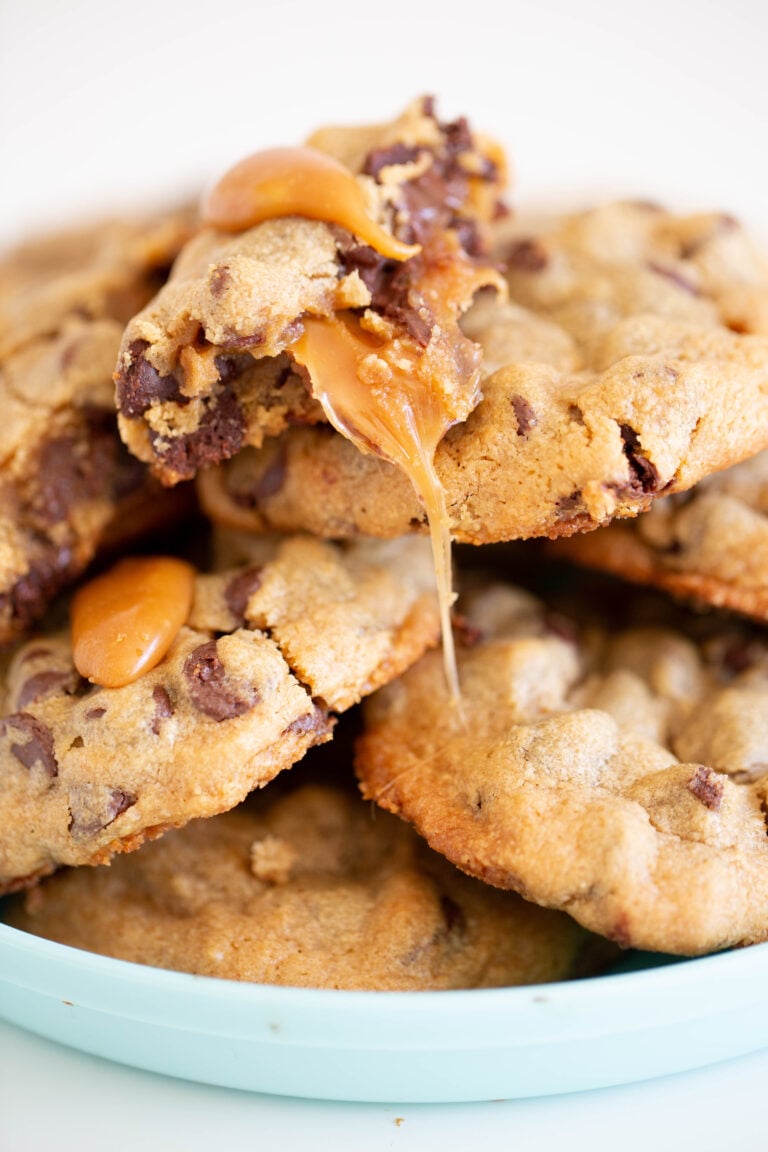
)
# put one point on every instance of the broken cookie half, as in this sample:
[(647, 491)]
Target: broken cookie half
[(249, 681)]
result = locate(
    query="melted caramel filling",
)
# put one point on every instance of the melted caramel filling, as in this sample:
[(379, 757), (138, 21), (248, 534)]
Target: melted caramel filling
[(390, 396), (297, 182), (125, 620)]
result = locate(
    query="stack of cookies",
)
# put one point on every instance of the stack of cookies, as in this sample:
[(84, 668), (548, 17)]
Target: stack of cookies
[(239, 444)]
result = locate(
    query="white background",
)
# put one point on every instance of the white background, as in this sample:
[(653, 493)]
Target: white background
[(105, 104)]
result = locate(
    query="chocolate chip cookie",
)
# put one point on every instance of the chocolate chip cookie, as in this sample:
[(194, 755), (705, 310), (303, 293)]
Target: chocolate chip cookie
[(212, 363), (618, 775), (66, 479), (709, 545), (269, 652), (307, 890)]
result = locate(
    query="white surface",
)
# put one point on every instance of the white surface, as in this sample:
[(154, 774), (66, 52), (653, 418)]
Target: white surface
[(104, 104), (53, 1098)]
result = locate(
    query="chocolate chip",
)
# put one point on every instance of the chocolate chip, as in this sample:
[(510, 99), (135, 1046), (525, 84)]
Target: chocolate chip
[(95, 713), (317, 720), (570, 503), (209, 688), (384, 157), (644, 476), (163, 707), (527, 256), (39, 746), (231, 368), (575, 414), (525, 415), (219, 279), (707, 787), (239, 589), (675, 276), (93, 807), (139, 385), (45, 684), (273, 477)]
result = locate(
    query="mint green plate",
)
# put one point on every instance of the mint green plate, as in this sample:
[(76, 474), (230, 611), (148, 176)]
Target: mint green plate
[(653, 1017)]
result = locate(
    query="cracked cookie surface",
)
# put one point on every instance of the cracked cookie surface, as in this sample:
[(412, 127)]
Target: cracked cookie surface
[(616, 775), (270, 650), (307, 890)]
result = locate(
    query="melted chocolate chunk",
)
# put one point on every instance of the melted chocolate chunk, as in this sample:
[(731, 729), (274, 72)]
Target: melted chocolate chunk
[(93, 807), (139, 385), (434, 199), (644, 476), (218, 436), (163, 707), (38, 748), (75, 469), (706, 787), (525, 415), (392, 289), (210, 689), (239, 590)]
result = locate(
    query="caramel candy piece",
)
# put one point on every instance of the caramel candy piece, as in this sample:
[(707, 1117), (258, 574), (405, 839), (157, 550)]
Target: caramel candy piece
[(124, 621), (296, 182)]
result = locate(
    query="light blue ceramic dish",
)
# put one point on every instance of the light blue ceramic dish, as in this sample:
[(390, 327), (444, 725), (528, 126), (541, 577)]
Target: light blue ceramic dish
[(631, 1025)]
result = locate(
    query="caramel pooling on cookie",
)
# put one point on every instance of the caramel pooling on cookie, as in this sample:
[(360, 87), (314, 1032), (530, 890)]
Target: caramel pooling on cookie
[(297, 182), (124, 621)]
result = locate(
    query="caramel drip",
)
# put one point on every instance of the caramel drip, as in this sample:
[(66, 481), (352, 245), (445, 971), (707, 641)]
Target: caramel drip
[(297, 182), (394, 398), (124, 621)]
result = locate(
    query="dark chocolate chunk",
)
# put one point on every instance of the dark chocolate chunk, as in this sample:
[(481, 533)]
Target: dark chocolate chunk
[(163, 707), (38, 748), (95, 713), (525, 415), (707, 787), (383, 157), (644, 476), (392, 289), (93, 807), (210, 689), (139, 385), (239, 589)]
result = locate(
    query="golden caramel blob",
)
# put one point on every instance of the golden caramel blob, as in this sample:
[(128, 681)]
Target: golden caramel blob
[(124, 621), (297, 182)]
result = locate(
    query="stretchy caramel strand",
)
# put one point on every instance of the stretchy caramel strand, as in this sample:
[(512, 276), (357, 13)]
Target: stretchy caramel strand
[(124, 621)]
